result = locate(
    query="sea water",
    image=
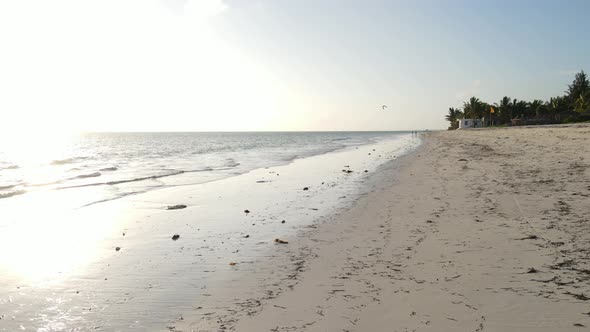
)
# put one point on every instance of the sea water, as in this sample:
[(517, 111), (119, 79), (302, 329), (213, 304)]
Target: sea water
[(121, 164)]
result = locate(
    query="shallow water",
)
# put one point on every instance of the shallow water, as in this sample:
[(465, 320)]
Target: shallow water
[(122, 164)]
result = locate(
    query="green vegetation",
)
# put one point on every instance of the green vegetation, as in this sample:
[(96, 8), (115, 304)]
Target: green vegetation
[(574, 106)]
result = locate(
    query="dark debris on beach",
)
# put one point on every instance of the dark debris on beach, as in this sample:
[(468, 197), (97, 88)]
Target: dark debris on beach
[(176, 207)]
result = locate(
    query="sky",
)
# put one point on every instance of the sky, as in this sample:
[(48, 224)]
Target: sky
[(277, 65)]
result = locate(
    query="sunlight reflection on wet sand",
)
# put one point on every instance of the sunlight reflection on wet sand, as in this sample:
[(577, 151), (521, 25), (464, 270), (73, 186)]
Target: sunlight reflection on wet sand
[(43, 237)]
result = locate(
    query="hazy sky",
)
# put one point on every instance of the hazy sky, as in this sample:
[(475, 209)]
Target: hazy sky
[(166, 65)]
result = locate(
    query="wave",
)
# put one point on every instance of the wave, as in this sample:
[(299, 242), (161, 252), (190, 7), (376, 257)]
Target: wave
[(43, 184), (116, 197), (12, 193), (10, 167), (85, 176), (121, 195), (143, 178), (67, 161), (111, 183), (108, 169), (231, 162)]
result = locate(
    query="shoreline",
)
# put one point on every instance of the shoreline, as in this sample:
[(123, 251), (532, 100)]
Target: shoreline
[(112, 174), (489, 231), (114, 265), (280, 274)]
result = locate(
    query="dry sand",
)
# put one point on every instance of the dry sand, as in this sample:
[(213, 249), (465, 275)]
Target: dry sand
[(479, 230)]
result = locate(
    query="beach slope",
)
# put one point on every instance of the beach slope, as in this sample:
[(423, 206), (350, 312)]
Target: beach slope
[(477, 230)]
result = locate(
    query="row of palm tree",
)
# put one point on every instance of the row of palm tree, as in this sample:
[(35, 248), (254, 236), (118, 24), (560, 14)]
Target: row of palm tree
[(576, 99)]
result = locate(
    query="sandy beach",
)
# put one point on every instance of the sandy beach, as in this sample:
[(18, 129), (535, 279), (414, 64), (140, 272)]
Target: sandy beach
[(479, 230), (472, 230)]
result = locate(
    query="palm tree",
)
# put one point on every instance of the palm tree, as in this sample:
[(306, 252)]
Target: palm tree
[(519, 108), (535, 107), (577, 98), (582, 104), (504, 110), (557, 105), (473, 108), (486, 110), (579, 87), (453, 115)]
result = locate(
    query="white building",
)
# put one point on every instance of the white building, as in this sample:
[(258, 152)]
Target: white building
[(470, 123)]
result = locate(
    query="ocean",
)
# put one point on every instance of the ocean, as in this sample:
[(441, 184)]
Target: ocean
[(121, 164)]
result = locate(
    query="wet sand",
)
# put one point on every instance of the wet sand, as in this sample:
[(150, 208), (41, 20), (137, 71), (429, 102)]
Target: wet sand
[(478, 230)]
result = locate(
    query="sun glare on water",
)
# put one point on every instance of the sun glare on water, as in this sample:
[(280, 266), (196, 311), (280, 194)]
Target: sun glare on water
[(30, 148), (40, 234), (41, 239), (33, 152)]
